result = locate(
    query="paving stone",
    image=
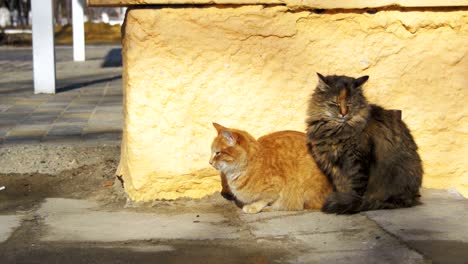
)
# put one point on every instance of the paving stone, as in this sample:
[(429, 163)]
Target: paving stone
[(65, 130), (9, 115), (71, 121), (3, 131), (94, 100), (93, 91), (114, 109), (106, 115), (103, 128), (48, 109), (40, 118), (117, 91), (63, 97), (85, 85), (113, 96), (73, 139), (80, 109), (9, 122), (115, 121), (81, 115), (41, 97), (4, 107), (28, 131), (111, 104), (26, 140), (84, 103), (21, 109), (7, 100), (56, 104), (63, 123), (104, 136), (28, 103)]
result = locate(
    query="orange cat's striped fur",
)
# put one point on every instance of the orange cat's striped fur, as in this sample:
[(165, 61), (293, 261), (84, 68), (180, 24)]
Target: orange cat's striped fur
[(274, 172)]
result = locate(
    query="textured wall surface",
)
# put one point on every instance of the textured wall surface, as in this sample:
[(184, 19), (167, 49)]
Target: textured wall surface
[(327, 4), (253, 68)]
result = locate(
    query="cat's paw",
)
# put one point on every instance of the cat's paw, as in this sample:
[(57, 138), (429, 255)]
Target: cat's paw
[(251, 209)]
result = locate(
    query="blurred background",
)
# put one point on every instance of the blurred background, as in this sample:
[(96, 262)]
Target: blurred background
[(102, 25)]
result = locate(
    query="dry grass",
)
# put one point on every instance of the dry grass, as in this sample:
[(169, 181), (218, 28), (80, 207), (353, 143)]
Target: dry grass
[(94, 33)]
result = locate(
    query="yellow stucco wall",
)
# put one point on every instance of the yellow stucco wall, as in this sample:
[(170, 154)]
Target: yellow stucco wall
[(310, 4), (253, 67)]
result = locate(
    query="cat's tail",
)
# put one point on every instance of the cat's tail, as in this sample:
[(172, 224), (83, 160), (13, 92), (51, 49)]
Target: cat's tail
[(342, 203), (350, 203)]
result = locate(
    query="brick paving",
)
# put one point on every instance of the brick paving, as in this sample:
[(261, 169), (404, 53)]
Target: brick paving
[(86, 108)]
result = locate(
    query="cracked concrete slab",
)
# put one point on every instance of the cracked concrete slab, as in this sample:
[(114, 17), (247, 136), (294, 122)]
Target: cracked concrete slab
[(437, 228), (382, 256), (331, 238), (78, 220), (8, 224), (309, 222), (369, 243), (432, 232)]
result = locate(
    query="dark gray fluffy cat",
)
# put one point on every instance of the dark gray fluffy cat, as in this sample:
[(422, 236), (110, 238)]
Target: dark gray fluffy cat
[(366, 151)]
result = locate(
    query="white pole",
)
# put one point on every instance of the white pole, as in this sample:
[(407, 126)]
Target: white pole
[(78, 30), (43, 46)]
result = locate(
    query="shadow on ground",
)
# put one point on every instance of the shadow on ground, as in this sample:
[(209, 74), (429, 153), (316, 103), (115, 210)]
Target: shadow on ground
[(113, 58), (76, 85), (189, 252), (443, 251), (63, 84)]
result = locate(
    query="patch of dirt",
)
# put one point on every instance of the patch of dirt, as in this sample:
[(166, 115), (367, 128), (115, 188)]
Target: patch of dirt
[(24, 191), (52, 159), (32, 173), (96, 182)]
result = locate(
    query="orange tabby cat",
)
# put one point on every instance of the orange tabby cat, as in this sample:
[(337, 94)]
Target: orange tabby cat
[(275, 171)]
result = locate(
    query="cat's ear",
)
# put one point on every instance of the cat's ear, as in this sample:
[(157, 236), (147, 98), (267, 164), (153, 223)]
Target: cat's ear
[(218, 127), (322, 85), (321, 77), (230, 137), (361, 80)]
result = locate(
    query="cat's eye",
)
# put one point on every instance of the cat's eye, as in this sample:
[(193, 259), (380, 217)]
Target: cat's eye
[(332, 104), (217, 153)]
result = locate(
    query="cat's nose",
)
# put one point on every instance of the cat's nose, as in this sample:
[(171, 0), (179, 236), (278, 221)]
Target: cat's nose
[(343, 110), (211, 161)]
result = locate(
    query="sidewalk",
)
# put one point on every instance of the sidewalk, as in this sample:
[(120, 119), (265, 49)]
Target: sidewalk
[(87, 107)]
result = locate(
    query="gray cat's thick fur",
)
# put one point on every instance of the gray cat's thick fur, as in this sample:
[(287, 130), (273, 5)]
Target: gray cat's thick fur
[(366, 151)]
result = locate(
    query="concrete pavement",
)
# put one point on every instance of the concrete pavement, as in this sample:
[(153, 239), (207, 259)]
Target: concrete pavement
[(213, 230), (86, 108)]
